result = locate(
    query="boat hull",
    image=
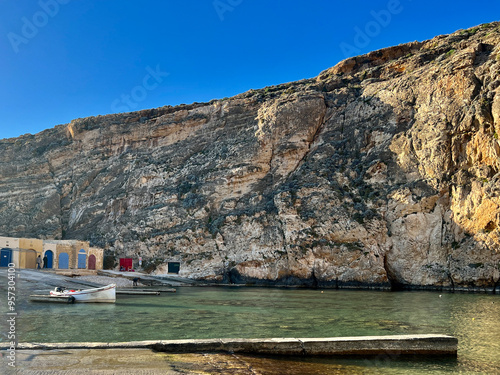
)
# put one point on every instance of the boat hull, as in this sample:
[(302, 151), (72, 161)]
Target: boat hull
[(105, 294)]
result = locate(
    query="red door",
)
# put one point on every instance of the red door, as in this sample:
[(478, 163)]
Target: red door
[(92, 262), (125, 264)]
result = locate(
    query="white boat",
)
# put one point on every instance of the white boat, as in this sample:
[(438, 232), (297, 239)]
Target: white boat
[(103, 294)]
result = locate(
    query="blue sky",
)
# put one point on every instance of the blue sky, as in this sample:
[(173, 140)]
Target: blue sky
[(65, 59)]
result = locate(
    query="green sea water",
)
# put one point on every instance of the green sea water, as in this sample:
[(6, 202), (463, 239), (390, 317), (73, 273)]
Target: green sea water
[(251, 312)]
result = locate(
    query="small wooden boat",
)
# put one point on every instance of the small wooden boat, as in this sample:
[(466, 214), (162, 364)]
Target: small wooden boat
[(103, 294)]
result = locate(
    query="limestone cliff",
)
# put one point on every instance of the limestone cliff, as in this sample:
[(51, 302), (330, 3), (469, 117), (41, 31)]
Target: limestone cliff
[(383, 170)]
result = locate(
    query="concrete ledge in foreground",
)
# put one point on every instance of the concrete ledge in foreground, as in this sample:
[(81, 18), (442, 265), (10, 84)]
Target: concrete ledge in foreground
[(441, 345)]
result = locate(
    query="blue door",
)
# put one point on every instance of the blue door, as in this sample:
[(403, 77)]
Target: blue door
[(82, 259), (63, 261), (5, 257), (50, 259)]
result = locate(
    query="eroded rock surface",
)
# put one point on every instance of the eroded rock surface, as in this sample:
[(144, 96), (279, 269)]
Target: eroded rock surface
[(383, 170)]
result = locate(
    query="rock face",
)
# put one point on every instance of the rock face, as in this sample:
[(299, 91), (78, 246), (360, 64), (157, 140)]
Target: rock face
[(384, 170)]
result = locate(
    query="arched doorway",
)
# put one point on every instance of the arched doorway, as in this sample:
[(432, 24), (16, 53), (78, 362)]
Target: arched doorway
[(5, 257), (92, 262), (63, 261), (82, 259), (30, 257), (50, 259)]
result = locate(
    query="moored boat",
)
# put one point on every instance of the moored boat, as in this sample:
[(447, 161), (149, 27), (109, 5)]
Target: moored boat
[(103, 294)]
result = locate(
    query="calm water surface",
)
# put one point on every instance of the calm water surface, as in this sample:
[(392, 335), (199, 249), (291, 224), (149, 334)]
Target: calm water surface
[(204, 312)]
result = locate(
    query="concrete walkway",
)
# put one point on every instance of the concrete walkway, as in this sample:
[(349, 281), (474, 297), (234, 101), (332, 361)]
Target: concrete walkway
[(427, 345), (46, 279), (219, 356), (167, 280)]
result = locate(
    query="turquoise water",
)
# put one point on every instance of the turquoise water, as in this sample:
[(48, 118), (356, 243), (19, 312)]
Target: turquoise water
[(206, 312)]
